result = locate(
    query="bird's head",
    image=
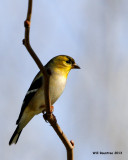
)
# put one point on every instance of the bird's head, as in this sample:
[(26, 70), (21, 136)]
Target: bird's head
[(62, 64)]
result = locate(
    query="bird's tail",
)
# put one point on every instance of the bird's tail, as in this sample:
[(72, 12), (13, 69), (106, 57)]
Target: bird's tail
[(15, 136), (22, 123)]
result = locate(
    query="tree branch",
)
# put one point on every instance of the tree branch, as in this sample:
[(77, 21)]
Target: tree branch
[(50, 117)]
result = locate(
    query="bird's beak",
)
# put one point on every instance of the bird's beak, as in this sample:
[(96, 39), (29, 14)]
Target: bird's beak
[(75, 66)]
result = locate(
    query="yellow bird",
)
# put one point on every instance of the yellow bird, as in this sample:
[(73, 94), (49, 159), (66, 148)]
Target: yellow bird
[(34, 101)]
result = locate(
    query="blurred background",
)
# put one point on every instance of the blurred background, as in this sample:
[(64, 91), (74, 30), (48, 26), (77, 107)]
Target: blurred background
[(93, 110)]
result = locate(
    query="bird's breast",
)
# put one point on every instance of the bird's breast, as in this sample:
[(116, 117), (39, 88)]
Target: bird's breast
[(57, 85)]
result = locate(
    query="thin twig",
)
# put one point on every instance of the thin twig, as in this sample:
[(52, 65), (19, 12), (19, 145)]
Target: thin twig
[(50, 117), (69, 145)]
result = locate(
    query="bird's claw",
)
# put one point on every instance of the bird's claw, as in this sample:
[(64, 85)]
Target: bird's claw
[(51, 109), (50, 115), (45, 117)]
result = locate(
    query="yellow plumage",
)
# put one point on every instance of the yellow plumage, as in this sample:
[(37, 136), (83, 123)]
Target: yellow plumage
[(34, 101)]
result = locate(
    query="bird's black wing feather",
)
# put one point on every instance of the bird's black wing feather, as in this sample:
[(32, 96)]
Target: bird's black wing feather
[(36, 84)]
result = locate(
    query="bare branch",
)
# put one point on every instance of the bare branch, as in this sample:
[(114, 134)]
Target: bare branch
[(50, 117), (68, 145)]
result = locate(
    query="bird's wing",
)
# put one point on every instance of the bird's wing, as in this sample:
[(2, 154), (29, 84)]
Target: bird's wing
[(36, 84)]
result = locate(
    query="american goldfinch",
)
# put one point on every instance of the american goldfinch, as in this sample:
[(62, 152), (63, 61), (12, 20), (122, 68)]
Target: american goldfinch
[(34, 101)]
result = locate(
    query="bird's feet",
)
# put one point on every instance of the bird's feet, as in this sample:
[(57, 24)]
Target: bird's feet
[(51, 109), (47, 116)]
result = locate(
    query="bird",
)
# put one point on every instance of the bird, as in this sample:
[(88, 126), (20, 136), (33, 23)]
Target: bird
[(34, 101)]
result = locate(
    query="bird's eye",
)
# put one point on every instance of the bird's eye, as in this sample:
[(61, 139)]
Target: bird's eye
[(68, 61)]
